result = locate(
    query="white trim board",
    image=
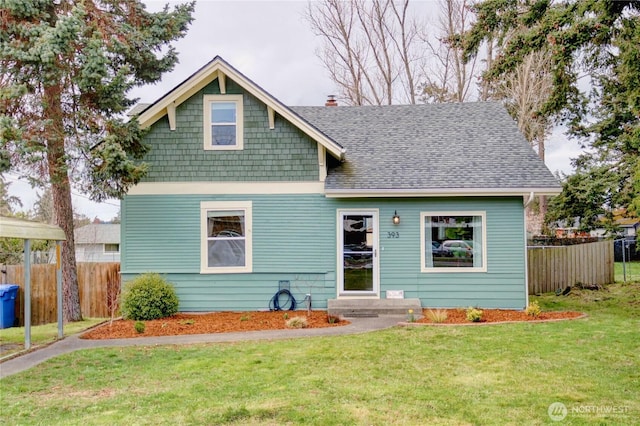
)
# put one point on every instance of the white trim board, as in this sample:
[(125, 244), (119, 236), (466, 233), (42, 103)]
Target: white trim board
[(440, 192), (227, 188)]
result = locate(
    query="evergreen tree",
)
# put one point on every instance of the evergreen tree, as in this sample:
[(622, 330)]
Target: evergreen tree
[(66, 68)]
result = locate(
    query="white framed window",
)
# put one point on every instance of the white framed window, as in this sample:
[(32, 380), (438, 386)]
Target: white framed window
[(226, 237), (110, 248), (223, 128), (453, 241)]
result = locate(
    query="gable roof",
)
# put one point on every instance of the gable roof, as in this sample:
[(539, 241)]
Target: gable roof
[(218, 68), (430, 150), (99, 233)]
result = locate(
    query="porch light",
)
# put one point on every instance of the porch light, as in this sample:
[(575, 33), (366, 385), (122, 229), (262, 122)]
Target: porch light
[(396, 218)]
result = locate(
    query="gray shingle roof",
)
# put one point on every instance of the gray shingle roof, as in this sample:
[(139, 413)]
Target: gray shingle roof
[(98, 233), (429, 147)]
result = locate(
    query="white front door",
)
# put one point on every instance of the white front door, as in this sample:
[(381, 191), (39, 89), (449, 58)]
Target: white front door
[(358, 253)]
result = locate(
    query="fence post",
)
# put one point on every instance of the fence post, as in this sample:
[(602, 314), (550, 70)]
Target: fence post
[(624, 262), (27, 294), (59, 289)]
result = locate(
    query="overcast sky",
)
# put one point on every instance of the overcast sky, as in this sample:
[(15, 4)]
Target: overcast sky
[(271, 43)]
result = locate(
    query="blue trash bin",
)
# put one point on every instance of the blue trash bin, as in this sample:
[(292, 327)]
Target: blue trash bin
[(8, 294)]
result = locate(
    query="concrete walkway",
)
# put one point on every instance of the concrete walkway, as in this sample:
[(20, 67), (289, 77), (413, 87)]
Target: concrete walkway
[(74, 343)]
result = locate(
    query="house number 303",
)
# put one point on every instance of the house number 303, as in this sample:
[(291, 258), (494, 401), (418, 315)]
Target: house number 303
[(393, 234)]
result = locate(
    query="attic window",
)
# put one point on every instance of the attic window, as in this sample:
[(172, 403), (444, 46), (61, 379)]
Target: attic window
[(223, 122)]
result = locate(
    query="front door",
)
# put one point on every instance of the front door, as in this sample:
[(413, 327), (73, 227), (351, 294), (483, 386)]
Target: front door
[(358, 253)]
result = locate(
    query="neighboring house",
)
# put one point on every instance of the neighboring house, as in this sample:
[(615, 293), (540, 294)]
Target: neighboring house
[(99, 242), (244, 194), (629, 228)]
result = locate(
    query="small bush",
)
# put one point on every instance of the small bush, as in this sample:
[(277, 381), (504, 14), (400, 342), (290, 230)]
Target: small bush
[(410, 316), (437, 316), (333, 319), (473, 314), (297, 322), (533, 310), (139, 326), (148, 297)]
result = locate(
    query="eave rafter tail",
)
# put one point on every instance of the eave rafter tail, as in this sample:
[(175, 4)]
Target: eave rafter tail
[(272, 117)]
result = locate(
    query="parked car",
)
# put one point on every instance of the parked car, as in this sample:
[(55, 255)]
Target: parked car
[(458, 248), (438, 251)]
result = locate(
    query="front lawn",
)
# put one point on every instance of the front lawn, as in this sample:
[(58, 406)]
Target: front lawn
[(497, 374), (632, 271)]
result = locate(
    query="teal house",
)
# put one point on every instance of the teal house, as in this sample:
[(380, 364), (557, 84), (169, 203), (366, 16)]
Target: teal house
[(246, 196)]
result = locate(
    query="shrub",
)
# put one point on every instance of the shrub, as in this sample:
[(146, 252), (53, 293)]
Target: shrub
[(297, 322), (139, 326), (410, 316), (437, 316), (333, 319), (533, 310), (148, 297), (474, 315)]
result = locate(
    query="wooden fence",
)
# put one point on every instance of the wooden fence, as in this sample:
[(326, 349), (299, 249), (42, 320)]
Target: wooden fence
[(554, 267), (99, 285)]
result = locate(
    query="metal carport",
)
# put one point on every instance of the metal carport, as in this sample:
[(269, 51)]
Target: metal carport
[(27, 230)]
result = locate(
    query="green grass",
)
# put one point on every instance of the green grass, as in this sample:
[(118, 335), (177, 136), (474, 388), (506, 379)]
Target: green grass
[(12, 339), (632, 270), (485, 375)]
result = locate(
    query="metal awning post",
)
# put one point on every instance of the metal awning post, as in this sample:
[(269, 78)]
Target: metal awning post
[(27, 294), (59, 289)]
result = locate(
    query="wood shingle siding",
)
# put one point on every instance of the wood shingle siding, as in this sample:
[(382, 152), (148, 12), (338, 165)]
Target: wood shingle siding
[(280, 154)]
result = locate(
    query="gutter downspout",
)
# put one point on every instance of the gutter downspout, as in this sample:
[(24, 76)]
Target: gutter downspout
[(526, 250), (532, 196)]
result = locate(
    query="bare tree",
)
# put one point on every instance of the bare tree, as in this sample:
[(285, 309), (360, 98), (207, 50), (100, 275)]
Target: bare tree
[(369, 49), (525, 91), (449, 78)]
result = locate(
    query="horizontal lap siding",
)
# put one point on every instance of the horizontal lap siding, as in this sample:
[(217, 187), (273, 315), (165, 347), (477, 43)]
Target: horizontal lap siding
[(246, 292), (502, 286), (293, 240), (161, 234)]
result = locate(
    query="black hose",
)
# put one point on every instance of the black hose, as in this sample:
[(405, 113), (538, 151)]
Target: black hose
[(275, 305)]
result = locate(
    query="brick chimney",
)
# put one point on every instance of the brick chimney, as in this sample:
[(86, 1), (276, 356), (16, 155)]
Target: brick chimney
[(331, 101)]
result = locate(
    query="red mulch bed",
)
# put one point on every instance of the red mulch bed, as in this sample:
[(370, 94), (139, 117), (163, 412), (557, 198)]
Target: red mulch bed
[(458, 316), (218, 322), (224, 322)]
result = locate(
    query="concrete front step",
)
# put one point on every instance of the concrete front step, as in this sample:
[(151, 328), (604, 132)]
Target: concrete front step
[(372, 307)]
